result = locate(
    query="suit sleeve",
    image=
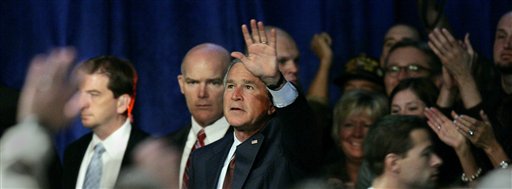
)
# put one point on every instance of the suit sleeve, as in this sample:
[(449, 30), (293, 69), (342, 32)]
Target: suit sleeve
[(301, 139)]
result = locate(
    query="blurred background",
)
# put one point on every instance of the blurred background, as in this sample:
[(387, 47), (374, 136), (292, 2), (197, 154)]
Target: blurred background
[(156, 34)]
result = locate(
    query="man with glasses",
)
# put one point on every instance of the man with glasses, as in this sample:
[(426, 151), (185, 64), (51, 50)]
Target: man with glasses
[(410, 59)]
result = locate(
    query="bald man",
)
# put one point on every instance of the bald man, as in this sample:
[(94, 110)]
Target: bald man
[(287, 54), (201, 83)]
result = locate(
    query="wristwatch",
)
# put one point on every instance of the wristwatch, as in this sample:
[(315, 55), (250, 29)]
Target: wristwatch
[(504, 164)]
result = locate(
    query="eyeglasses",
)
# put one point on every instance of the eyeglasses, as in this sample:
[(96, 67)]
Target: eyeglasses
[(409, 69)]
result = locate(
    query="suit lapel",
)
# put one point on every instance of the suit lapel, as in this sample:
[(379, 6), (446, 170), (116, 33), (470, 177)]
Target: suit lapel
[(245, 155), (74, 160), (216, 160)]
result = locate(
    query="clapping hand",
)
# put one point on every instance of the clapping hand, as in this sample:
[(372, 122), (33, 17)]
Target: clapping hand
[(445, 129)]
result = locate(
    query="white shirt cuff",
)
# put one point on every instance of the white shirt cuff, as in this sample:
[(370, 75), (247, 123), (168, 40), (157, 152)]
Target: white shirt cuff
[(284, 96)]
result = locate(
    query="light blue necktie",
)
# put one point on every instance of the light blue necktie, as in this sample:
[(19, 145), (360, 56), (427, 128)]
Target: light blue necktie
[(93, 174)]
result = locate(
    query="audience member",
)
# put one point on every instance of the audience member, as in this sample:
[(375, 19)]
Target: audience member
[(354, 113), (360, 72), (410, 59), (273, 144), (411, 96), (106, 95), (399, 150), (201, 83), (503, 61)]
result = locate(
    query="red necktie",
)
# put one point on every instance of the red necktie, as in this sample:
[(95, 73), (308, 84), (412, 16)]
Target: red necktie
[(199, 143), (228, 180)]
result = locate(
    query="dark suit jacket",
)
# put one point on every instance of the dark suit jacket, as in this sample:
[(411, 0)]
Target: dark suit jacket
[(179, 137), (75, 152), (281, 153)]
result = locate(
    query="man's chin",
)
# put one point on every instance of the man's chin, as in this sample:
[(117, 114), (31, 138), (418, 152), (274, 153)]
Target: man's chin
[(505, 69)]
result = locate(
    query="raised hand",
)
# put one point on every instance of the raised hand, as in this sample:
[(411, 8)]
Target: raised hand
[(261, 58), (480, 133), (457, 58), (445, 129), (47, 89), (321, 46), (453, 55)]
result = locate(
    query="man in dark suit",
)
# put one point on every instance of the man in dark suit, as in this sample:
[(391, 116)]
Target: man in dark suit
[(202, 73), (106, 96), (274, 142)]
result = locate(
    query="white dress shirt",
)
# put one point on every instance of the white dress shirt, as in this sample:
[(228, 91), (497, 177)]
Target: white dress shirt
[(213, 132), (284, 96), (115, 146)]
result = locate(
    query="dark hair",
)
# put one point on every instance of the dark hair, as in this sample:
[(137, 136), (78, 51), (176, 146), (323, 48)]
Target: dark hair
[(434, 62), (390, 134), (121, 74), (424, 88)]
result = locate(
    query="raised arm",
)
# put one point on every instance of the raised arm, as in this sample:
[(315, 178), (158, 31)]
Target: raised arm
[(481, 134), (319, 88), (449, 134), (457, 60)]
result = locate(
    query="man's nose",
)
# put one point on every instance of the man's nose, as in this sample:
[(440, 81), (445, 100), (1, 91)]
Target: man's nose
[(508, 42), (403, 74), (83, 101), (203, 92), (436, 161), (237, 93)]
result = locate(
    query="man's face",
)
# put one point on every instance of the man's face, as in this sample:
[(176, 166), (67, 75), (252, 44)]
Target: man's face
[(394, 35), (419, 167), (503, 44), (352, 133), (406, 102), (246, 101), (97, 103), (403, 63), (288, 57), (201, 84)]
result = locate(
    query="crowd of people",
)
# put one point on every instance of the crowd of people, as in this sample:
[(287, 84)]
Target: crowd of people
[(415, 118)]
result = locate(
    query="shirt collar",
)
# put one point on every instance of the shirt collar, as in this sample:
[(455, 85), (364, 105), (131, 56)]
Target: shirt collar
[(111, 143), (214, 131)]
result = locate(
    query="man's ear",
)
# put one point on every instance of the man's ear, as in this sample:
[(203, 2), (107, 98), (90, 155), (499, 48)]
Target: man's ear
[(181, 82), (123, 103), (391, 163)]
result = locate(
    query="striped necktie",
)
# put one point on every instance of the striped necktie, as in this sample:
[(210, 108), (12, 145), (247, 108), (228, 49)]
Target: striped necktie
[(199, 143)]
